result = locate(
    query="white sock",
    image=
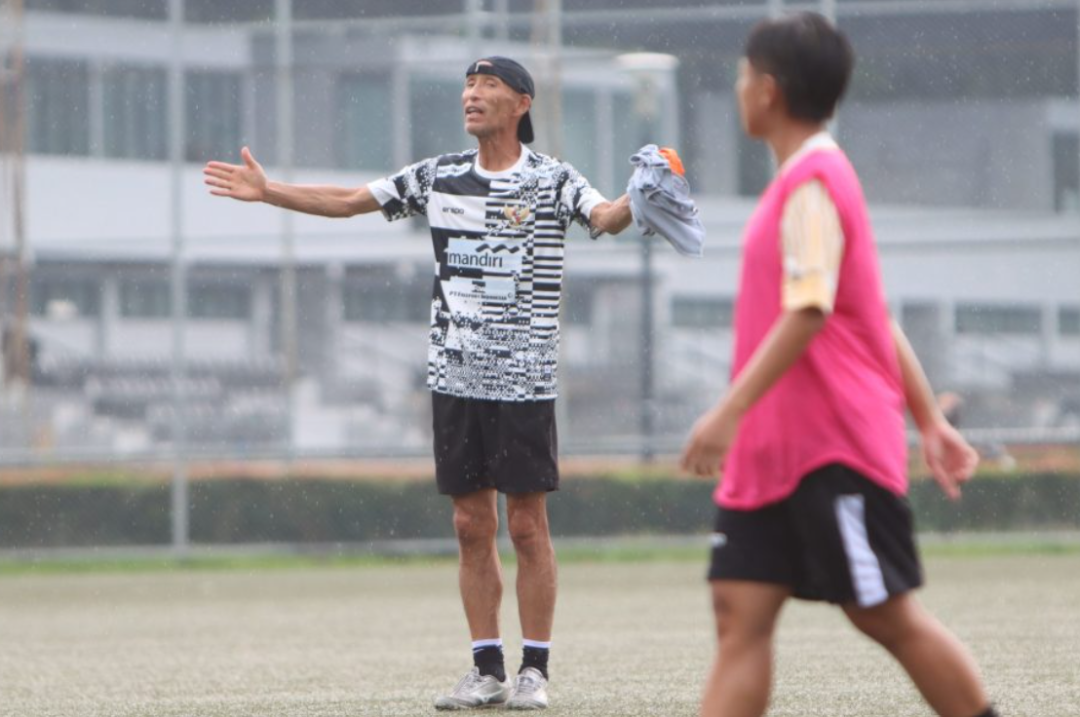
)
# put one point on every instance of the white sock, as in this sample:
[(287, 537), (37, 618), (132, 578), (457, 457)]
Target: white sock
[(492, 642), (536, 643)]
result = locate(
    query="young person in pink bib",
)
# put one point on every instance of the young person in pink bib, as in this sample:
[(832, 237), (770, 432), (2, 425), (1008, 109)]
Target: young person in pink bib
[(810, 437)]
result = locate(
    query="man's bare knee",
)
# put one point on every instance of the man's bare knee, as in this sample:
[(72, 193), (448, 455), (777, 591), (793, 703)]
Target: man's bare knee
[(475, 525), (525, 530), (527, 523)]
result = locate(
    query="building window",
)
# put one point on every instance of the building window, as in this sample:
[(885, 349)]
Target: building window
[(581, 140), (140, 9), (702, 312), (998, 319), (365, 130), (1066, 152), (432, 102), (145, 298), (577, 301), (1069, 320), (216, 11), (219, 301), (213, 109), (64, 297), (626, 134), (134, 112), (57, 102), (372, 299)]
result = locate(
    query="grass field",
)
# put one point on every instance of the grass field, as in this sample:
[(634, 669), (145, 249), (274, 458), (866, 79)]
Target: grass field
[(632, 638)]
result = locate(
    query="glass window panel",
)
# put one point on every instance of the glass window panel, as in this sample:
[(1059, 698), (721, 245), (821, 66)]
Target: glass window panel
[(1066, 150), (134, 112), (219, 301), (57, 106), (64, 296), (436, 122), (365, 130), (141, 9), (998, 319), (626, 136), (145, 298), (373, 300), (213, 108), (216, 11), (1069, 320), (578, 305), (334, 9), (581, 140), (702, 312)]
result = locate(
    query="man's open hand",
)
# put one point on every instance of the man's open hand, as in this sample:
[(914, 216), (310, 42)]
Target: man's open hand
[(246, 182)]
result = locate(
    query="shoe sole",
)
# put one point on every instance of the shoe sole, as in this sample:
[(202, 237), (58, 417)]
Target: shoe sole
[(524, 707), (458, 708)]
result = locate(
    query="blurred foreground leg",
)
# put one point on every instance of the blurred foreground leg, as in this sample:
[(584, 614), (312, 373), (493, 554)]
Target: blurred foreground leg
[(741, 676), (939, 665)]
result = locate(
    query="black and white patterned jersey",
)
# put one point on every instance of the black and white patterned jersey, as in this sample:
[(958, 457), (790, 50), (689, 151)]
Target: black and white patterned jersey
[(498, 240)]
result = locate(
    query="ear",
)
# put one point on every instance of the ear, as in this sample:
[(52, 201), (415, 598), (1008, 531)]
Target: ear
[(771, 96), (524, 104)]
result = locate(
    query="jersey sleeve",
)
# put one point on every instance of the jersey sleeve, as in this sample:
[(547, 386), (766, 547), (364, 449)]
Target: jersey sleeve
[(812, 245), (406, 193), (577, 198)]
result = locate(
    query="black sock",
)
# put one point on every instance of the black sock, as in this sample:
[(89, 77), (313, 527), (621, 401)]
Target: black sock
[(990, 712), (536, 657), (489, 660)]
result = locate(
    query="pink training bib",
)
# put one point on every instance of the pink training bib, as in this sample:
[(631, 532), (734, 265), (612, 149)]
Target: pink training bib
[(843, 400)]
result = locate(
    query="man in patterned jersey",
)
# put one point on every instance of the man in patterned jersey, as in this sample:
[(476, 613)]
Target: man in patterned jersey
[(498, 216)]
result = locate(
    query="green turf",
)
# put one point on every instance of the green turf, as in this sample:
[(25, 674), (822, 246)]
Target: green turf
[(632, 638), (606, 550)]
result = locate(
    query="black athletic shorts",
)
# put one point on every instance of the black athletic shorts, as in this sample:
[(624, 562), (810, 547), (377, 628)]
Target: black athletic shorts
[(506, 445), (839, 538)]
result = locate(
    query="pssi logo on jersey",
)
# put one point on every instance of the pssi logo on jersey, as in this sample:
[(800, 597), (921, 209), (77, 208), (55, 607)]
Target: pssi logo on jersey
[(517, 214), (718, 540), (468, 254)]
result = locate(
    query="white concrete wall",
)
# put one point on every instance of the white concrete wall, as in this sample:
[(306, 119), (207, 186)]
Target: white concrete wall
[(87, 206)]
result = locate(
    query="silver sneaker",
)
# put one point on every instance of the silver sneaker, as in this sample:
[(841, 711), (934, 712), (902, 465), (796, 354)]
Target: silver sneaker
[(530, 691), (473, 691)]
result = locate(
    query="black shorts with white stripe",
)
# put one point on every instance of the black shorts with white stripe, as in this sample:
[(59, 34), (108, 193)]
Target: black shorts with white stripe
[(839, 538)]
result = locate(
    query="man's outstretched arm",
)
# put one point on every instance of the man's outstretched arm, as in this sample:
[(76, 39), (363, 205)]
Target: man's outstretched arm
[(612, 217), (247, 182)]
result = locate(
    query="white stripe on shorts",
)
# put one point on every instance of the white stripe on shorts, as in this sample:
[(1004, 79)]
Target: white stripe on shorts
[(865, 569)]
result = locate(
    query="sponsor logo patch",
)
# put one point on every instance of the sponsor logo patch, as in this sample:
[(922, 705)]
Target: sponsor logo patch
[(465, 254)]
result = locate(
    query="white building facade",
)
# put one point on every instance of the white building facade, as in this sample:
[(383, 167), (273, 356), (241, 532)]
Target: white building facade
[(990, 297)]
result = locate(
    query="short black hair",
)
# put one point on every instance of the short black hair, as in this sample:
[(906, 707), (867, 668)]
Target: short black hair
[(810, 58)]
